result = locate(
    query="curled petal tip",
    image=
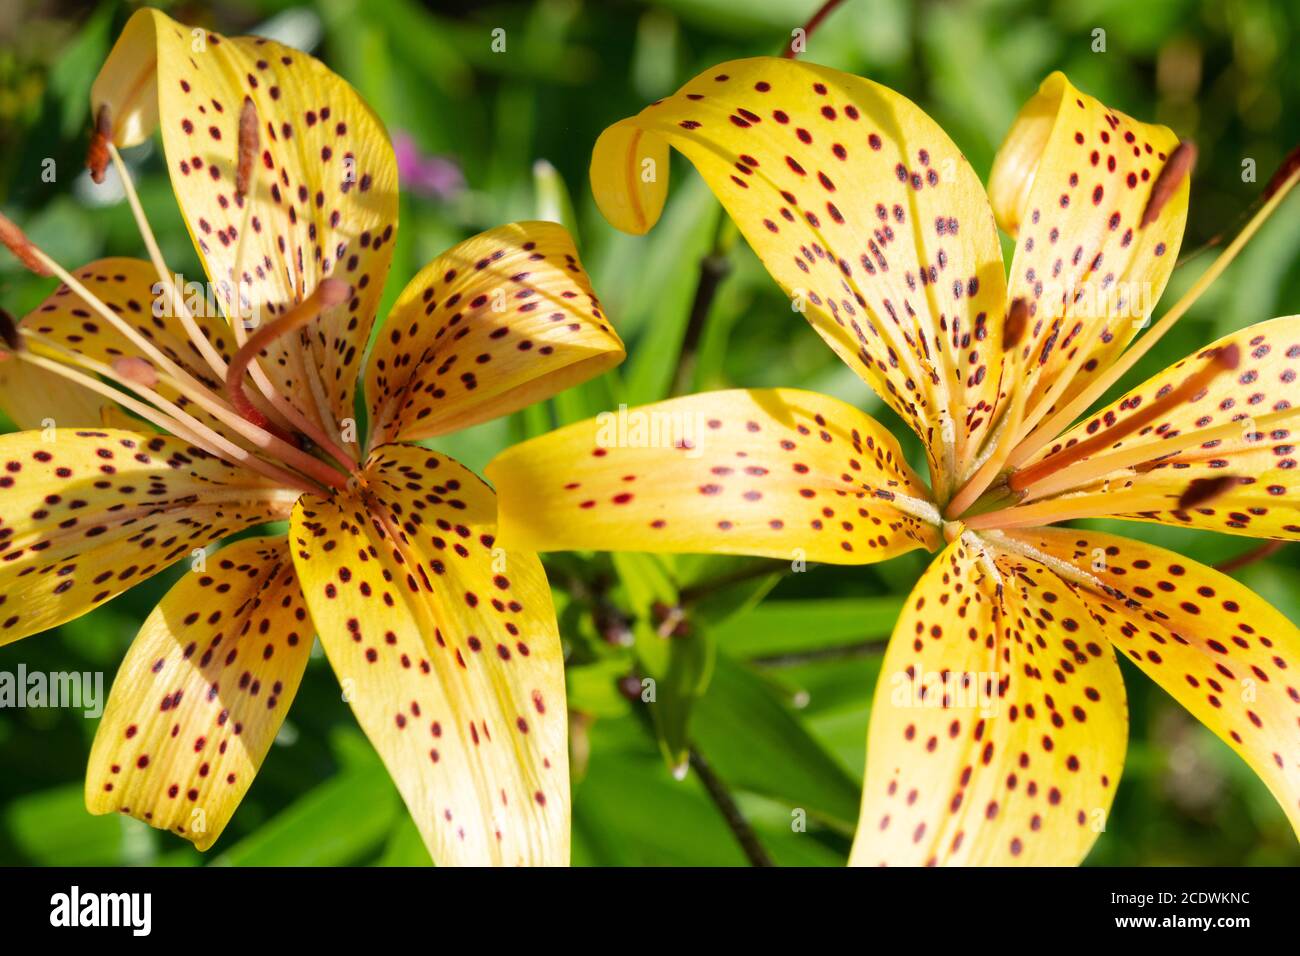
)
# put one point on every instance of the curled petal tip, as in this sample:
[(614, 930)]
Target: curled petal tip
[(1177, 167), (1203, 490)]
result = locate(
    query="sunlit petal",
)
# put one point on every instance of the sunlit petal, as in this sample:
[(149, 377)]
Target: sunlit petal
[(502, 320), (85, 514), (202, 693), (774, 472), (999, 723), (448, 652), (860, 207), (323, 191)]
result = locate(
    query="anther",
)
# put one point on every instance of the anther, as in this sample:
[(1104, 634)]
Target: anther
[(1203, 490), (1176, 168), (9, 332), (97, 155), (1017, 320), (137, 370), (248, 141), (21, 247), (329, 293)]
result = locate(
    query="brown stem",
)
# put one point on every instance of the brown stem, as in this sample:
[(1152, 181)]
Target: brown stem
[(714, 267), (1267, 549), (726, 805), (822, 13)]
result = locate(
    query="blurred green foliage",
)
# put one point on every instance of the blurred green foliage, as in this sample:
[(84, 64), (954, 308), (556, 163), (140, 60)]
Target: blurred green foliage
[(776, 692)]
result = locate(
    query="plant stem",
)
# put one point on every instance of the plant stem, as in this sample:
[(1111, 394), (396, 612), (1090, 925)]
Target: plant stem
[(822, 13), (714, 267), (726, 805), (1265, 550), (761, 569), (845, 652)]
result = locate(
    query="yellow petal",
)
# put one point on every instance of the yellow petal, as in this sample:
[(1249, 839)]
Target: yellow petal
[(999, 723), (774, 472), (1241, 430), (863, 211), (448, 651), (1214, 645), (1071, 182), (35, 398), (502, 320), (130, 289), (202, 693), (84, 515), (323, 191)]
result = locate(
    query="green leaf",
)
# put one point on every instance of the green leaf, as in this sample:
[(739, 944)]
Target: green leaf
[(335, 824), (756, 743), (791, 627), (679, 665), (52, 828)]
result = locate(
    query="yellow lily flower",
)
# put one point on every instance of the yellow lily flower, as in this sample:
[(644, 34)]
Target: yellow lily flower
[(446, 646), (1000, 721)]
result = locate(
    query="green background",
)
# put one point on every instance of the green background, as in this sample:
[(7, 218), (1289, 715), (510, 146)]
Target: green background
[(776, 696)]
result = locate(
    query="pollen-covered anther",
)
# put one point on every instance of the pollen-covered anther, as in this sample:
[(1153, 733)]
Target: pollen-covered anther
[(1013, 329), (9, 332), (248, 143), (1176, 168), (1201, 491), (97, 156), (18, 243), (329, 293), (132, 368)]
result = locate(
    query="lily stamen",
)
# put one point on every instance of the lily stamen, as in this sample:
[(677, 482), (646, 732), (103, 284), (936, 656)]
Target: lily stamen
[(329, 293), (100, 141), (185, 383), (155, 409), (1146, 457), (1057, 422), (1225, 359), (166, 280), (1177, 168), (289, 415)]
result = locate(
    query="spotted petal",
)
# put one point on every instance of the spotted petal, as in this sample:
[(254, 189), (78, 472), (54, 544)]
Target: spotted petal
[(84, 515), (202, 693), (448, 651), (1242, 430), (774, 472), (35, 398), (1215, 646), (1071, 182), (860, 207), (129, 288), (998, 728), (502, 320), (323, 194)]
